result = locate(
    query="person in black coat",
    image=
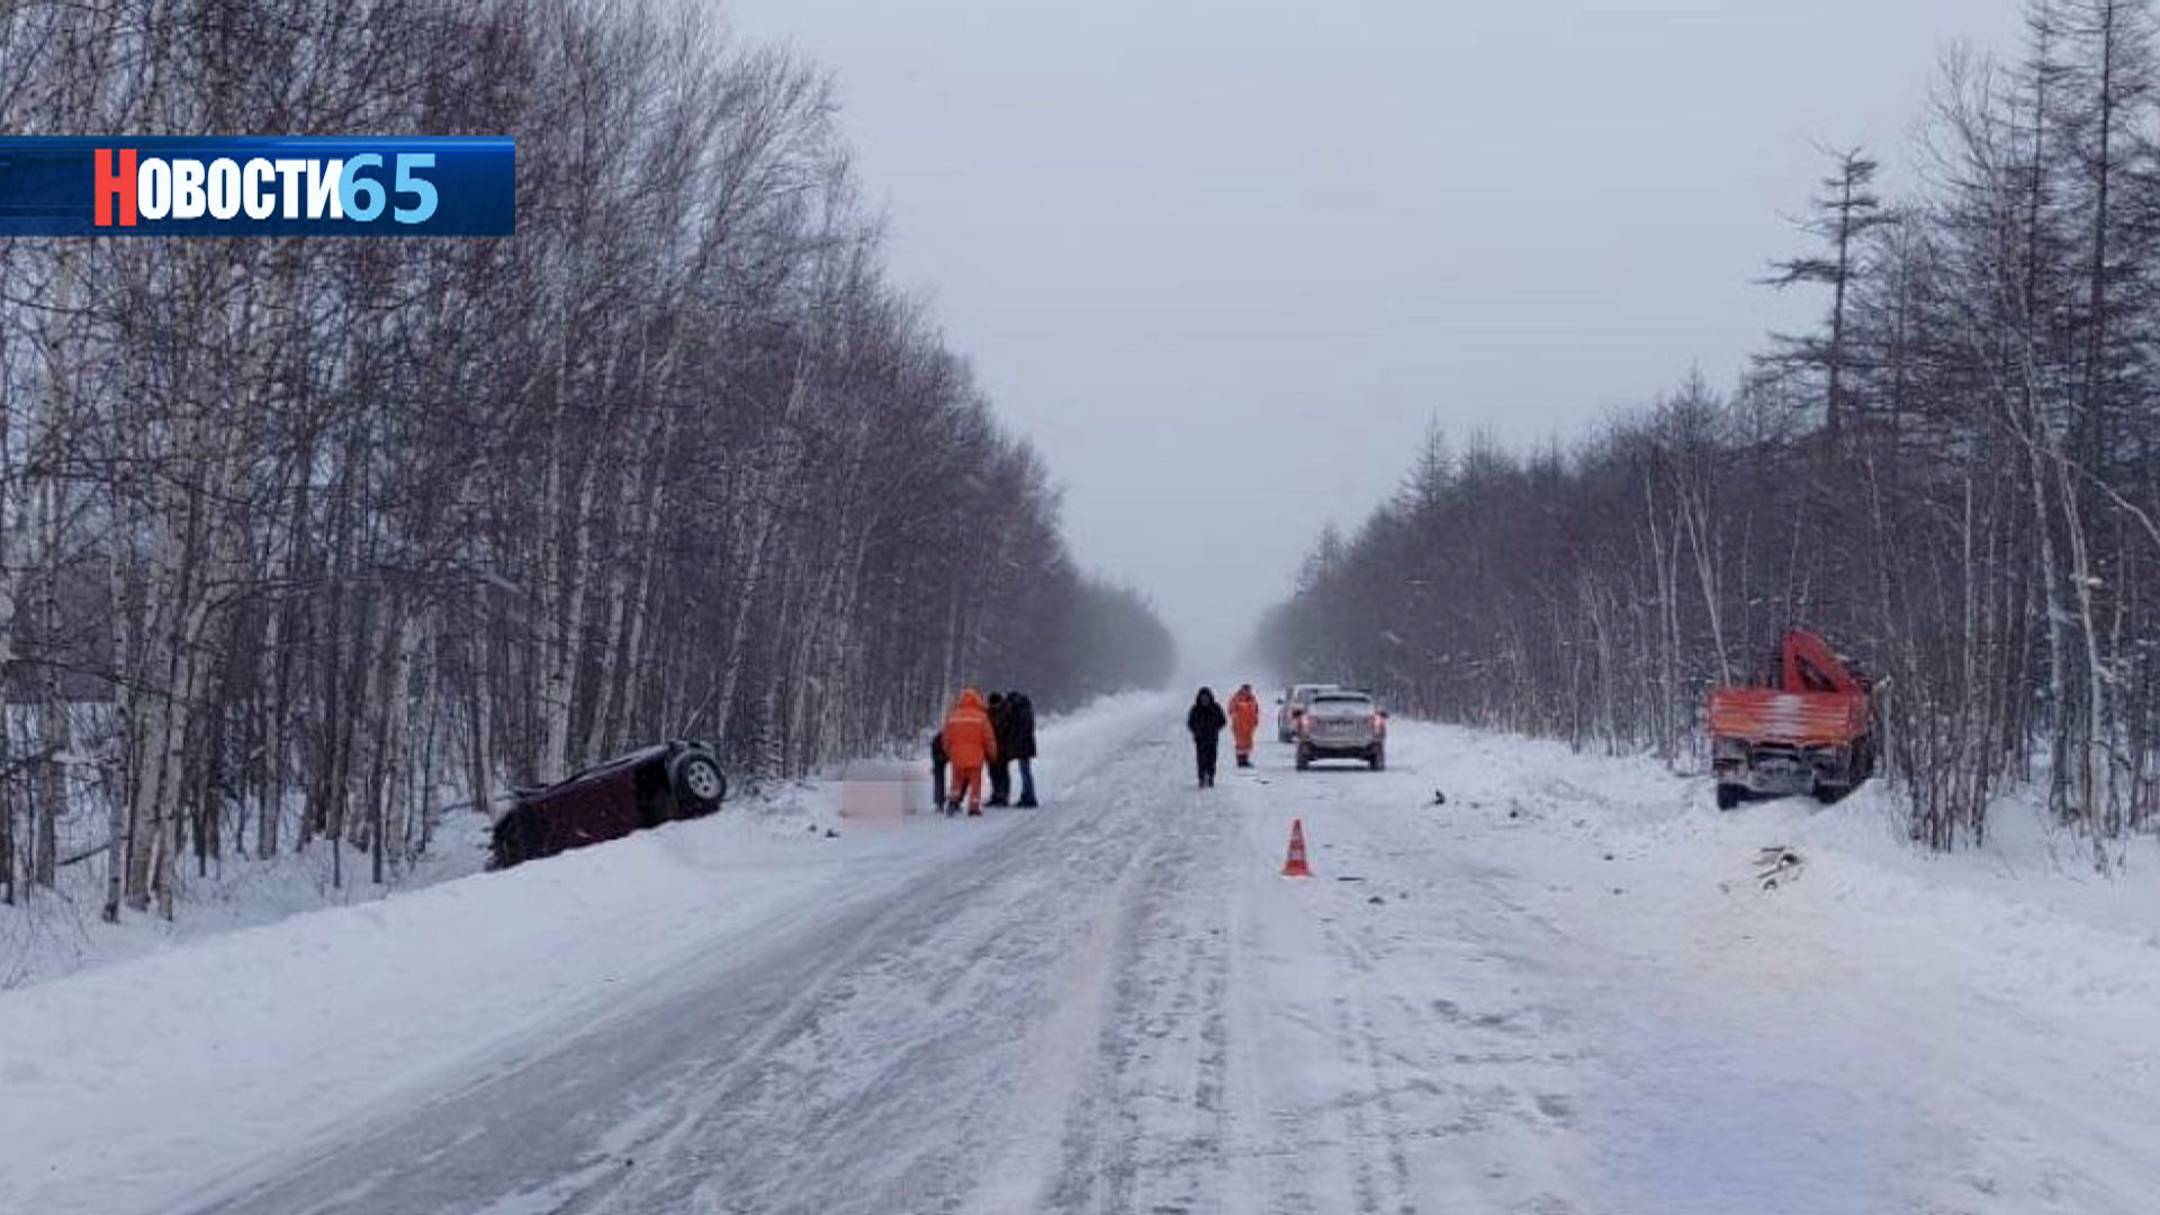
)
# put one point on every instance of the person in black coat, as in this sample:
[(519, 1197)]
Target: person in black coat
[(937, 771), (1017, 743), (1206, 721), (1000, 767)]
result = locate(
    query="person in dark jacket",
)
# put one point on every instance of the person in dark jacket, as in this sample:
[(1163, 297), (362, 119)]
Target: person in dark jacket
[(937, 771), (1206, 721), (1020, 716), (1001, 767)]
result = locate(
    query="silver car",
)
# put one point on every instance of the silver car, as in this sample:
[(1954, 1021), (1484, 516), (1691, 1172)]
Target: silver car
[(1342, 724), (1291, 705)]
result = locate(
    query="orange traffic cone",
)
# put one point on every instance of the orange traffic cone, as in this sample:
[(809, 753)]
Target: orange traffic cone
[(1294, 866)]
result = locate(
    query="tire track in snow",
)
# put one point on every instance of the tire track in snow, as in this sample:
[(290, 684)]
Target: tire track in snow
[(1057, 1062), (1409, 1103), (1382, 1185), (991, 962), (1123, 1149)]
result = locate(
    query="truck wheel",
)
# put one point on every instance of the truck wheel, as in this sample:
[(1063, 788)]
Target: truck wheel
[(1859, 765), (1729, 796), (698, 783)]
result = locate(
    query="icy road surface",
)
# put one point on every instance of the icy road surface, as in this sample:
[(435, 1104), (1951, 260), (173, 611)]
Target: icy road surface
[(1561, 991)]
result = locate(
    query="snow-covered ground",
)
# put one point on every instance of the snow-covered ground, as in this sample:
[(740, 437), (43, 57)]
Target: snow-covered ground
[(59, 932), (1562, 990)]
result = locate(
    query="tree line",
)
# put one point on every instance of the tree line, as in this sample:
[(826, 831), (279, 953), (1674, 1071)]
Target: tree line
[(303, 542), (1955, 477)]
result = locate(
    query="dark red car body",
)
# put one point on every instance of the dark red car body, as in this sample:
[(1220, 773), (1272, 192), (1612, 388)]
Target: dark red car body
[(607, 801)]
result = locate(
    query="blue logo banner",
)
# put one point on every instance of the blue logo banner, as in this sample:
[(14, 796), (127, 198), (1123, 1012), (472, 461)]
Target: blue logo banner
[(156, 185)]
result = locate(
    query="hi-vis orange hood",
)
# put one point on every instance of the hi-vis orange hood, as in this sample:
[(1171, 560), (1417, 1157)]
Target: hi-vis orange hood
[(969, 739)]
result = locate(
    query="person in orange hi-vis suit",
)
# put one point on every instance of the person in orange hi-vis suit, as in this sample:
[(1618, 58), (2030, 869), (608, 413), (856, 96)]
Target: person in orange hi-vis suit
[(1244, 721), (970, 742)]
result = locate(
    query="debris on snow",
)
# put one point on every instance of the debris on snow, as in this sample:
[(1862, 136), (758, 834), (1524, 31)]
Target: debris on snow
[(1775, 864)]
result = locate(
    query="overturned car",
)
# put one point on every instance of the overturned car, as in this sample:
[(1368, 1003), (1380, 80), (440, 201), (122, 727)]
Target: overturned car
[(647, 787)]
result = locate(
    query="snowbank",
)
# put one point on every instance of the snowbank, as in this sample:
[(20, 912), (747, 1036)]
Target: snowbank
[(59, 933), (1638, 802)]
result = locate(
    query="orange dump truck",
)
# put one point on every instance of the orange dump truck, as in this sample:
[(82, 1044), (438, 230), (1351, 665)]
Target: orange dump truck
[(1807, 727)]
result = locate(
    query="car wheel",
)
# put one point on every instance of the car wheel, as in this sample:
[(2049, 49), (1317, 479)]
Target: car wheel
[(1729, 796), (698, 783)]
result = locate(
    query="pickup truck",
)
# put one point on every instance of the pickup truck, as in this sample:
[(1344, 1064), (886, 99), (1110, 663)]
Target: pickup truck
[(1807, 725)]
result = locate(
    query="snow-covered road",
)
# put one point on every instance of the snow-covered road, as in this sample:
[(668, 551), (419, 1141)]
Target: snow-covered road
[(1558, 992)]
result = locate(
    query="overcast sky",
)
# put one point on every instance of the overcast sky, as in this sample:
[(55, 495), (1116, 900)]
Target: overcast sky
[(1222, 259)]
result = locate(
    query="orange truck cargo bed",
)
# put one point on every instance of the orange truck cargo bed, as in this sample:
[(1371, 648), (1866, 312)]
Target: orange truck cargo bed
[(1801, 719)]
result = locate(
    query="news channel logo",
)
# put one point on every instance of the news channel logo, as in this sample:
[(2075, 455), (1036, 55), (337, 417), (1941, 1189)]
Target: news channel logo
[(258, 186)]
